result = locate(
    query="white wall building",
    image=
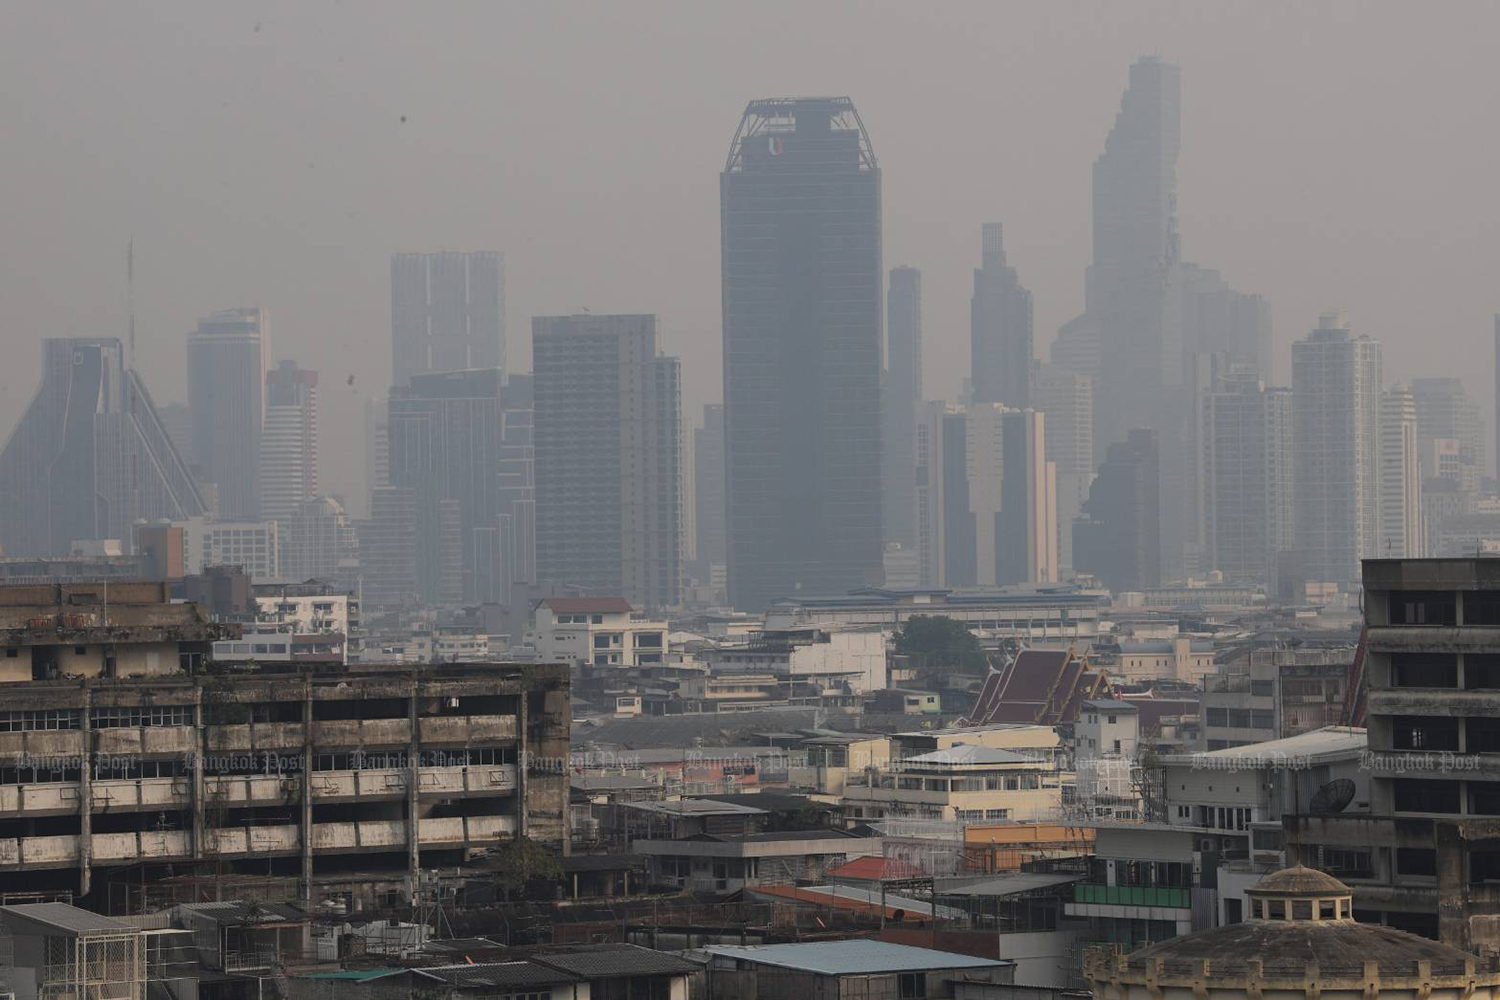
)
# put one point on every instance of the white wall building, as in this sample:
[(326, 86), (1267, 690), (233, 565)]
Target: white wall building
[(254, 545), (962, 783), (598, 630), (1401, 534), (851, 661)]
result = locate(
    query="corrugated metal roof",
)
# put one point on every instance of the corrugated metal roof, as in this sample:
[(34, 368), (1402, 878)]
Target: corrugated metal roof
[(851, 958), (66, 917), (1011, 885), (617, 960), (521, 973)]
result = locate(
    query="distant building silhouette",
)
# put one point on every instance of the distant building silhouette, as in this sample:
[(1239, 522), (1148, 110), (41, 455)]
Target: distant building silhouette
[(1000, 328), (1335, 440), (801, 259), (289, 441), (447, 313), (1067, 398), (609, 509), (1248, 473), (517, 484), (89, 457), (902, 398), (445, 448), (708, 491), (1401, 527), (1117, 540), (226, 366)]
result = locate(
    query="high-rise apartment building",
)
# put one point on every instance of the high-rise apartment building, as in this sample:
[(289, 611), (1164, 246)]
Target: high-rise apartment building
[(89, 456), (318, 542), (1026, 542), (517, 484), (960, 529), (445, 448), (708, 491), (1336, 451), (226, 365), (289, 441), (388, 549), (1444, 410), (984, 468), (1248, 478), (608, 458), (377, 443), (801, 260), (903, 396), (1401, 530), (929, 495), (1000, 327), (1117, 539), (1067, 398), (447, 313)]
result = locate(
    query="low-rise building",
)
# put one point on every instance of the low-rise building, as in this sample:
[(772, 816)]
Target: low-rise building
[(825, 660), (1182, 657), (962, 783), (844, 969), (713, 863), (603, 631)]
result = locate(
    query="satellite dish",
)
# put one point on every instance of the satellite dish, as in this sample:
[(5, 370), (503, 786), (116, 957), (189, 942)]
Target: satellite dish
[(1333, 797)]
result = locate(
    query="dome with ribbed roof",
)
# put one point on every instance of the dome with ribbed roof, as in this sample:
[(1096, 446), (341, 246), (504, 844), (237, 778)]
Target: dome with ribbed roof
[(1299, 880)]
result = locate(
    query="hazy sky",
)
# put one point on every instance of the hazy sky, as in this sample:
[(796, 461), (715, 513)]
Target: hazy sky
[(276, 154)]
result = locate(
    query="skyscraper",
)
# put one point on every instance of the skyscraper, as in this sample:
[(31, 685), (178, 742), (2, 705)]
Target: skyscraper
[(1067, 398), (1335, 440), (608, 458), (1444, 410), (318, 542), (289, 441), (517, 484), (903, 396), (89, 456), (1248, 478), (447, 313), (388, 549), (445, 448), (960, 531), (1118, 537), (1026, 542), (999, 327), (226, 365), (801, 264), (930, 502), (708, 492), (1401, 535), (1129, 286)]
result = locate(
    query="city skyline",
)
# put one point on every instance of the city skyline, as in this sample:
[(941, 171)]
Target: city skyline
[(316, 228)]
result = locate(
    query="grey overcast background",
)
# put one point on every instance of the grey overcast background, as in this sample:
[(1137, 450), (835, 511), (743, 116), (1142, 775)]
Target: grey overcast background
[(1334, 154)]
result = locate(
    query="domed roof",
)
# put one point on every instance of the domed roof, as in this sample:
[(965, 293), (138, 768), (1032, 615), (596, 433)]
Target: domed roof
[(1340, 949), (1299, 880)]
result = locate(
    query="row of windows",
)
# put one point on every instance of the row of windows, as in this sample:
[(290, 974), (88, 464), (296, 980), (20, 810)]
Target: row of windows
[(1240, 718), (149, 715), (34, 720)]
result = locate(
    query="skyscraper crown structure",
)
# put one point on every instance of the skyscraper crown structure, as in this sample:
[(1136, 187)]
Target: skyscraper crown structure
[(1000, 328), (226, 363), (447, 312), (801, 265), (89, 457)]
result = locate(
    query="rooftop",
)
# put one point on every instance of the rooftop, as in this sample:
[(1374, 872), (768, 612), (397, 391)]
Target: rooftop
[(967, 756), (1330, 743), (64, 917), (587, 605), (851, 958), (604, 961)]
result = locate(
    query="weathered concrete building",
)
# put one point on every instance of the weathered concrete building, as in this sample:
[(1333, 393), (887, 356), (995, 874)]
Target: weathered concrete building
[(125, 754), (1431, 841)]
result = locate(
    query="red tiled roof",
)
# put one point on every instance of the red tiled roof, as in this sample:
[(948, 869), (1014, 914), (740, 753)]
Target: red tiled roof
[(587, 605), (873, 868)]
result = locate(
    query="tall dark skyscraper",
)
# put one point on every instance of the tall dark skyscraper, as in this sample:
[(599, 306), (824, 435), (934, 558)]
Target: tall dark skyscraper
[(1000, 328), (226, 366), (1129, 286), (608, 458), (1118, 538), (903, 395), (708, 492), (445, 449), (447, 313), (89, 457), (799, 203)]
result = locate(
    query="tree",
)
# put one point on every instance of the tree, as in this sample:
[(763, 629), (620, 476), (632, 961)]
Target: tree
[(938, 641), (521, 862)]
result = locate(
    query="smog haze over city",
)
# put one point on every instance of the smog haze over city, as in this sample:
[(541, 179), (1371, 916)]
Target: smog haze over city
[(1332, 155)]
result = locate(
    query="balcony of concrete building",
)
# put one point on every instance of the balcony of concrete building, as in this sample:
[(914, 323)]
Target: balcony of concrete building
[(142, 740), (252, 789), (361, 732), (451, 782), (255, 736), (41, 743), (106, 848), (39, 799), (466, 728), (228, 842), (349, 786), (134, 794)]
